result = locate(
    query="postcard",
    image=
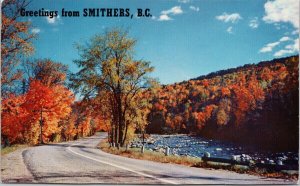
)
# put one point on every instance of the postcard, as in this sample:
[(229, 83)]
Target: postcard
[(150, 92)]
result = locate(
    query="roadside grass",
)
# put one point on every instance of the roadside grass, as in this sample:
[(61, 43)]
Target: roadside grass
[(7, 150), (191, 161), (149, 155)]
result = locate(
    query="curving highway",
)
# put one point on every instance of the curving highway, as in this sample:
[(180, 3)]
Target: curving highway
[(81, 162)]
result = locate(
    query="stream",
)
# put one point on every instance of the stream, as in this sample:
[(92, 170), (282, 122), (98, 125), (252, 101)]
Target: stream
[(185, 145)]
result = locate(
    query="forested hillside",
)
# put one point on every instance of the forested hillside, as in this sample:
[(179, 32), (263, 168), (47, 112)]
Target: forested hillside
[(253, 104)]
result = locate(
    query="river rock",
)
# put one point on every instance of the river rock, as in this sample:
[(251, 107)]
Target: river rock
[(246, 157), (150, 142), (161, 150), (284, 158), (279, 162), (204, 142), (251, 162), (206, 154)]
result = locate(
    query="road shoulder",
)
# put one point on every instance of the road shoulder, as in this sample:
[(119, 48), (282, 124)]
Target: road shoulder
[(13, 168)]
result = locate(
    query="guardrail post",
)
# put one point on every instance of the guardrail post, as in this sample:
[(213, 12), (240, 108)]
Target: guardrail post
[(143, 149), (167, 152)]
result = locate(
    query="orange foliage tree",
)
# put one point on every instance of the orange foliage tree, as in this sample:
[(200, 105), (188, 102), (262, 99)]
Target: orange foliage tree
[(48, 106), (13, 119), (38, 113)]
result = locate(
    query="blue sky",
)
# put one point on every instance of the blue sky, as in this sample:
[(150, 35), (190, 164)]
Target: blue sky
[(184, 38)]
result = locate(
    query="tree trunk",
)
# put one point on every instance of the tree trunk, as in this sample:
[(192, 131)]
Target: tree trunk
[(112, 134), (125, 135), (121, 133), (41, 125), (116, 133), (120, 119)]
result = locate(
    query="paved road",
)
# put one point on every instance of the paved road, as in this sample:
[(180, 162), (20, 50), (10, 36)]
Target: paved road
[(81, 162)]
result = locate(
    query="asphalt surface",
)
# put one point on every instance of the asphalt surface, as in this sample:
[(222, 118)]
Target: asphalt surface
[(81, 162)]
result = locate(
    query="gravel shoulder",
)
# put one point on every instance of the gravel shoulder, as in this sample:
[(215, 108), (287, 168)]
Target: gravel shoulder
[(13, 168)]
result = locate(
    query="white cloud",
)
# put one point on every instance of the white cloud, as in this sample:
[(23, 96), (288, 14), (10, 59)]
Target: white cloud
[(194, 8), (183, 1), (164, 17), (233, 18), (53, 20), (282, 11), (35, 30), (229, 30), (282, 52), (165, 14), (296, 44), (253, 23), (269, 47), (174, 11), (289, 49), (285, 38)]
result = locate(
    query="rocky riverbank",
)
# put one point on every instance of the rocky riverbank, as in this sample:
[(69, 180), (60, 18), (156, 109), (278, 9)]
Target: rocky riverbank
[(184, 145)]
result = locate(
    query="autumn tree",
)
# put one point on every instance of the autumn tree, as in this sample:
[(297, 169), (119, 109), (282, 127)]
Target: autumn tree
[(13, 120), (15, 42), (223, 111), (35, 116), (45, 104), (54, 104), (107, 64), (48, 106), (46, 71), (136, 117), (69, 129)]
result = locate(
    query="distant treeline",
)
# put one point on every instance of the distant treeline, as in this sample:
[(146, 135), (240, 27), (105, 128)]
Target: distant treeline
[(244, 67)]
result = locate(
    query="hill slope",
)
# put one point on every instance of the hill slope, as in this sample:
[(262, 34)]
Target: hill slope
[(253, 104)]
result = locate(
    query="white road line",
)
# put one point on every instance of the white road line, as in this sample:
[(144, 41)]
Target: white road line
[(124, 168)]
